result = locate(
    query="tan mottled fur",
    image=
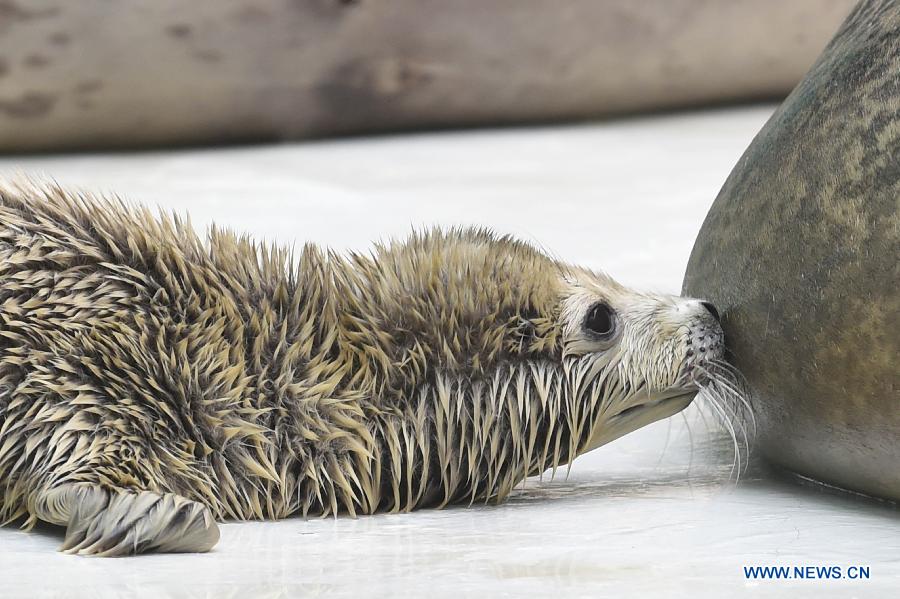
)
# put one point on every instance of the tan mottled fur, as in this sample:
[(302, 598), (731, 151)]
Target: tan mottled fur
[(151, 382)]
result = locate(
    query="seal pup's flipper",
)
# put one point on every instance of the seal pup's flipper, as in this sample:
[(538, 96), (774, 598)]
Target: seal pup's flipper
[(106, 522)]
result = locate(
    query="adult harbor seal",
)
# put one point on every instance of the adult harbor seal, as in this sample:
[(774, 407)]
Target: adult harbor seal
[(151, 384), (800, 250), (94, 74)]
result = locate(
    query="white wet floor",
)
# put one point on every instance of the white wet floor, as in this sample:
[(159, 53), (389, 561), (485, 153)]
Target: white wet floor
[(653, 514)]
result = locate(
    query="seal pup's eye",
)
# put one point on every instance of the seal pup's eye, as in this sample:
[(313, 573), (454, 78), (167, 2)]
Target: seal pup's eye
[(601, 321)]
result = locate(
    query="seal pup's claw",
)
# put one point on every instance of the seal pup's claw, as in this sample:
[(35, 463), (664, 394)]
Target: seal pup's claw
[(110, 523)]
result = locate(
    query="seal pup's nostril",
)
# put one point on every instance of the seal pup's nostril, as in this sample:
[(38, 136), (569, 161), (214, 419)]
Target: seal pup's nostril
[(712, 310)]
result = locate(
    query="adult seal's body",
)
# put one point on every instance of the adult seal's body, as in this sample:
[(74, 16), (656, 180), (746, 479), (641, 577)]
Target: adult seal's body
[(801, 251), (151, 384)]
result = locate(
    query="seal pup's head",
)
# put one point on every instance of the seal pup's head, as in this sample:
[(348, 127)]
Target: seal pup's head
[(647, 355), (491, 329)]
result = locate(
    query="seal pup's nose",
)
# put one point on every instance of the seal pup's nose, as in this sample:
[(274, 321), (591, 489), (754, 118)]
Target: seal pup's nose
[(712, 310)]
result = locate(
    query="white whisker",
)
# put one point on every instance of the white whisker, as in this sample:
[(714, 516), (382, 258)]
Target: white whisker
[(723, 392), (736, 462)]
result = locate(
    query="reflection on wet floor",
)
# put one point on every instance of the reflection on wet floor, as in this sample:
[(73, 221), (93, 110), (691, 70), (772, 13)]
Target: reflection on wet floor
[(710, 472)]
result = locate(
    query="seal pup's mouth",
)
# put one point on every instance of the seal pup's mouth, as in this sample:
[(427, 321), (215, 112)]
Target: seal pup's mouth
[(662, 406), (652, 408)]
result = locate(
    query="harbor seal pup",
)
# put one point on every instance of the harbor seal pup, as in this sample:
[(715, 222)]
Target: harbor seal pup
[(151, 384), (800, 250)]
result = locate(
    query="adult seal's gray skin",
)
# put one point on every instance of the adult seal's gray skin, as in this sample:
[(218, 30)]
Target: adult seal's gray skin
[(800, 252), (150, 384)]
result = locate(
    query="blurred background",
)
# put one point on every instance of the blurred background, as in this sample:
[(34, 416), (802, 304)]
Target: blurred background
[(96, 74), (291, 119)]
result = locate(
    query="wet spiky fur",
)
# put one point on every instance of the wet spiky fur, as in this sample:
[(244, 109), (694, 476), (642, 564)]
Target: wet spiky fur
[(151, 382)]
